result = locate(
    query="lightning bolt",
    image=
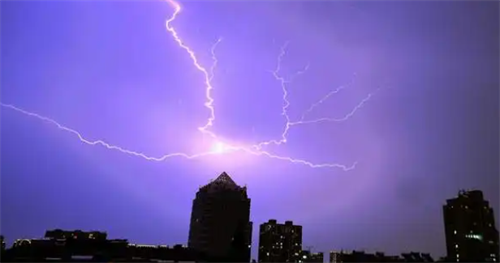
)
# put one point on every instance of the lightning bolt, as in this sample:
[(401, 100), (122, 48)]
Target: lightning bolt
[(192, 55), (325, 98), (230, 148), (346, 117), (101, 142), (214, 58), (289, 124), (319, 102), (283, 84), (256, 149)]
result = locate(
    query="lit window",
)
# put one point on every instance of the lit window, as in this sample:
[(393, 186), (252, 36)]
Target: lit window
[(478, 237)]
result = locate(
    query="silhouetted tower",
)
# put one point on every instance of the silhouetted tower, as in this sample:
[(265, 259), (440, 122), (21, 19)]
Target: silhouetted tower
[(280, 242), (471, 235), (220, 226)]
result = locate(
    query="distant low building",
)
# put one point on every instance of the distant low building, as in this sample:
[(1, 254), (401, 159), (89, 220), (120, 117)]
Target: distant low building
[(2, 243), (317, 257), (361, 256), (75, 234), (417, 257), (79, 246), (311, 257), (2, 249)]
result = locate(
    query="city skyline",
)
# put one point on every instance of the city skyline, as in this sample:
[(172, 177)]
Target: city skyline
[(111, 71), (218, 236), (467, 217)]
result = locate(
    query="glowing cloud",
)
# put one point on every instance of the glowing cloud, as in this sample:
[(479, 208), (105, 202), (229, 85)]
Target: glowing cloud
[(219, 148)]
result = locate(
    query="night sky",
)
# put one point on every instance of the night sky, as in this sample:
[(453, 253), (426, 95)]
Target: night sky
[(111, 71)]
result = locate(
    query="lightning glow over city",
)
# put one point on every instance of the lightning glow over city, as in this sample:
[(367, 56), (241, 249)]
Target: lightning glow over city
[(356, 120), (218, 146)]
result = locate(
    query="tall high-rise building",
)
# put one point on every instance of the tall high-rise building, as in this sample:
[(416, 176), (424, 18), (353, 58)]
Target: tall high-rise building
[(280, 242), (220, 226), (471, 235)]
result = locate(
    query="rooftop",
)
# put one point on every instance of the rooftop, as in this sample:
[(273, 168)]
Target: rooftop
[(224, 181)]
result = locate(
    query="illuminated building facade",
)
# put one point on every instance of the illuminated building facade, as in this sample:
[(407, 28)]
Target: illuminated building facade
[(471, 235), (220, 227), (280, 242)]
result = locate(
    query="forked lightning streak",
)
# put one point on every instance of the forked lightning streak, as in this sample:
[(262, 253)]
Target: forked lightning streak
[(219, 147)]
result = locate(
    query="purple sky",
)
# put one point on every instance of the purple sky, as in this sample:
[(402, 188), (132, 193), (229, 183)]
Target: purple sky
[(110, 70)]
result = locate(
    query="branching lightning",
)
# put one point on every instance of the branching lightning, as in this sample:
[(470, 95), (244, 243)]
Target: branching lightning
[(214, 58), (346, 117), (208, 74), (288, 125)]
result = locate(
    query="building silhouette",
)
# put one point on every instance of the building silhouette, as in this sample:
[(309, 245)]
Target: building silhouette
[(361, 256), (471, 235), (280, 242), (80, 246), (75, 234), (220, 227), (2, 249), (310, 257), (2, 243)]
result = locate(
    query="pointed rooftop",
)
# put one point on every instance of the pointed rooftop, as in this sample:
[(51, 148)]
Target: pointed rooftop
[(224, 178), (224, 181)]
